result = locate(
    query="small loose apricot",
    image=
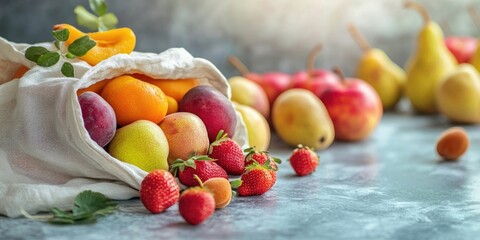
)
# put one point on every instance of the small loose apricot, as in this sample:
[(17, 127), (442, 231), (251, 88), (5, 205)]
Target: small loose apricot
[(222, 191), (109, 43), (175, 88), (453, 143)]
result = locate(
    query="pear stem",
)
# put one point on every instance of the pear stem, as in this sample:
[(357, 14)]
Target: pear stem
[(312, 56), (419, 8), (474, 15), (198, 180), (340, 74), (358, 37), (239, 65)]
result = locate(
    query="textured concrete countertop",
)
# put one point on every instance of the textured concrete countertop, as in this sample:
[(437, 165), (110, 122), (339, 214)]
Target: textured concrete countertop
[(391, 186)]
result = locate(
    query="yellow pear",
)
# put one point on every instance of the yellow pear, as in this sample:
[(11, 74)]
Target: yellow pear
[(458, 95), (431, 62), (299, 117), (249, 93), (141, 143), (475, 61), (257, 126), (378, 70)]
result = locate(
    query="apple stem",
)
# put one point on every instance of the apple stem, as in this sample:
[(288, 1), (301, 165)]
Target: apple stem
[(198, 180), (239, 65), (358, 37), (474, 15), (312, 56), (340, 74), (419, 8)]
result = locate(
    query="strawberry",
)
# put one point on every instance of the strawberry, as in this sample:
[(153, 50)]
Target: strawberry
[(203, 166), (304, 160), (257, 179), (196, 204), (260, 157), (159, 191), (228, 153)]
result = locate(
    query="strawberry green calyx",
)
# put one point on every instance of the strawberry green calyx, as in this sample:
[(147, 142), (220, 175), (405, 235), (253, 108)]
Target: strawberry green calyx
[(256, 165), (221, 137), (236, 183), (181, 164)]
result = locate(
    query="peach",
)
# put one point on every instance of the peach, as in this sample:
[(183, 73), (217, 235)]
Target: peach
[(98, 118), (215, 110), (186, 135)]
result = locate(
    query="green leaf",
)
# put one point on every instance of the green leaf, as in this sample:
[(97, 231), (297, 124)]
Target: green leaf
[(81, 46), (70, 56), (98, 6), (67, 69), (91, 202), (109, 20), (236, 183), (85, 18), (48, 59), (57, 44), (33, 53), (61, 35)]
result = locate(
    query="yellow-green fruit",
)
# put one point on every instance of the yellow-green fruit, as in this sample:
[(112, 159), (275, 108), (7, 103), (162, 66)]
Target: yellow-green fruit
[(386, 77), (431, 63), (249, 93), (299, 117), (475, 61), (458, 96), (257, 126), (141, 143)]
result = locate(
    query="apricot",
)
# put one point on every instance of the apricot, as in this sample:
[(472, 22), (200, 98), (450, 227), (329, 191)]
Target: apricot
[(172, 105), (109, 43), (98, 118), (453, 143), (96, 87), (221, 189), (20, 72), (175, 88)]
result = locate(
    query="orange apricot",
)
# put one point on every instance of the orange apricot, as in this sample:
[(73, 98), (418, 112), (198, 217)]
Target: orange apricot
[(172, 105), (20, 72), (109, 43), (175, 88), (96, 87), (453, 143), (221, 189)]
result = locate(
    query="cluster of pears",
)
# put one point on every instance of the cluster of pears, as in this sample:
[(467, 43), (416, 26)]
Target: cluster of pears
[(435, 82), (432, 81)]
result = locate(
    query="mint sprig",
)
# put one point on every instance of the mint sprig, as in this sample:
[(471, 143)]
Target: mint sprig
[(45, 58), (87, 207), (99, 20)]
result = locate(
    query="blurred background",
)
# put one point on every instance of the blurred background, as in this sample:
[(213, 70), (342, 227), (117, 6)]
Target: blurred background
[(268, 35)]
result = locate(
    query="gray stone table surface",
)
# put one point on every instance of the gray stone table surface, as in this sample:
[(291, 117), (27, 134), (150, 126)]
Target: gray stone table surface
[(391, 186)]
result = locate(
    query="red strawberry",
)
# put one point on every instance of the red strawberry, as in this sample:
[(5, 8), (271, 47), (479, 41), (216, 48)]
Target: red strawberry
[(260, 157), (228, 153), (203, 166), (159, 191), (196, 204), (304, 160), (257, 179)]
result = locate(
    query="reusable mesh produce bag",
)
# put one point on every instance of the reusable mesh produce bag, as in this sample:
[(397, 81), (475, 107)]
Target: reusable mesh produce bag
[(46, 154)]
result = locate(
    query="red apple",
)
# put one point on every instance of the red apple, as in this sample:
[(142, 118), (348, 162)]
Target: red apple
[(273, 83), (462, 48), (315, 80), (354, 107)]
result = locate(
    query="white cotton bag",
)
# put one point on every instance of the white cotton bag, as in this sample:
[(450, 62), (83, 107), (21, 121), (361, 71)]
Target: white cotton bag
[(46, 154)]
